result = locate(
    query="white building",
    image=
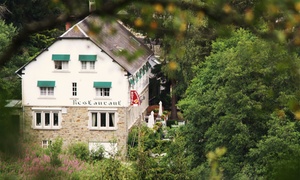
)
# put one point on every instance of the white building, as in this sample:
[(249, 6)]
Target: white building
[(79, 87)]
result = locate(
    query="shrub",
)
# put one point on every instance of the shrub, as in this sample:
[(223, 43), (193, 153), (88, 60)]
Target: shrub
[(171, 122), (79, 150), (97, 154), (107, 169), (55, 149)]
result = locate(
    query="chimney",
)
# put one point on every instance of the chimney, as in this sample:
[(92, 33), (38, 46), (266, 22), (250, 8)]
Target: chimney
[(92, 5), (68, 25)]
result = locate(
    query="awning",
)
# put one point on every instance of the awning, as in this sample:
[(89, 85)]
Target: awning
[(87, 57), (46, 83), (102, 84), (60, 57)]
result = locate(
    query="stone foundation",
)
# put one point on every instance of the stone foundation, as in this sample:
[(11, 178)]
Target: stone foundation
[(74, 128)]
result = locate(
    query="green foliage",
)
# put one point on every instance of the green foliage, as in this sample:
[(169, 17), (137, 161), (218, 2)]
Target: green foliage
[(10, 137), (38, 163), (146, 167), (237, 88), (277, 153), (22, 11), (80, 150), (172, 122), (213, 158), (98, 154), (40, 41), (9, 83), (149, 140), (177, 162), (55, 150), (166, 159), (6, 34), (110, 169)]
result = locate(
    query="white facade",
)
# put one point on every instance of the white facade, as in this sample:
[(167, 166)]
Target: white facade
[(105, 71)]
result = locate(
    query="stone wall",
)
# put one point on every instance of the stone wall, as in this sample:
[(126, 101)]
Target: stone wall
[(74, 128)]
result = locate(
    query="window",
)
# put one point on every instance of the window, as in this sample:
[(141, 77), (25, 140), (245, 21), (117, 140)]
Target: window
[(103, 92), (46, 91), (102, 120), (102, 89), (74, 89), (92, 65), (61, 61), (46, 143), (83, 64), (110, 148), (61, 65), (87, 61), (86, 65), (46, 119), (46, 88)]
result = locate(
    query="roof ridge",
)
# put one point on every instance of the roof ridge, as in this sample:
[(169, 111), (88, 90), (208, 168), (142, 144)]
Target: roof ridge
[(72, 28)]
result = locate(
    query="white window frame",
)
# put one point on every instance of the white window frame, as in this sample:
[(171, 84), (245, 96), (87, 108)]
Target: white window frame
[(102, 92), (74, 89), (46, 143), (45, 118), (88, 65), (47, 91), (98, 123), (92, 65), (61, 65), (110, 148)]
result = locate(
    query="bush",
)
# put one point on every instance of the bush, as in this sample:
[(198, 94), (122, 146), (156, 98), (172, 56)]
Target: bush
[(98, 154), (171, 122), (55, 149), (79, 150), (106, 169)]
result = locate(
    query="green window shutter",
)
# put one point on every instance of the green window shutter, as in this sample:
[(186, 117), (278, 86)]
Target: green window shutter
[(144, 69), (131, 81), (87, 57), (102, 84), (60, 57), (147, 66), (46, 83)]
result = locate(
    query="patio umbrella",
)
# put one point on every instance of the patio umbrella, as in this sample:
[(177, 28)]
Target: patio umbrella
[(151, 120), (160, 111)]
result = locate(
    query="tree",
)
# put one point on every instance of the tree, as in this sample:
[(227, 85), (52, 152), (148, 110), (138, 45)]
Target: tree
[(8, 81), (277, 153), (21, 12), (237, 88)]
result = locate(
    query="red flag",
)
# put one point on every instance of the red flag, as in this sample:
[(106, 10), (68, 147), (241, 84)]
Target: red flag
[(134, 98)]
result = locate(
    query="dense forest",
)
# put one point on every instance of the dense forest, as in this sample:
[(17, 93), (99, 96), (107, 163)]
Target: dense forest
[(231, 71)]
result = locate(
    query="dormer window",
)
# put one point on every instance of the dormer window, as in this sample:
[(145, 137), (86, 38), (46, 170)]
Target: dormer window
[(87, 61), (61, 61)]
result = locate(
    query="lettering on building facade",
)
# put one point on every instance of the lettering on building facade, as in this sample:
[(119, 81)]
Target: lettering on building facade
[(96, 103)]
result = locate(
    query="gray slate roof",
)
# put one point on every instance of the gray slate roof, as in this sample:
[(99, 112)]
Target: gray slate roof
[(114, 39)]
